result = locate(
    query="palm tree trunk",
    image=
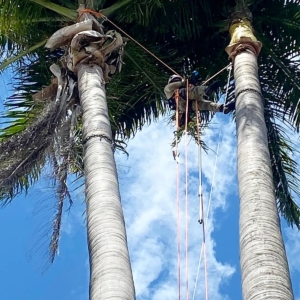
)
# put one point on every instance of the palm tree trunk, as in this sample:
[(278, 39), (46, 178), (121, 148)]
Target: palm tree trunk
[(264, 266), (110, 270)]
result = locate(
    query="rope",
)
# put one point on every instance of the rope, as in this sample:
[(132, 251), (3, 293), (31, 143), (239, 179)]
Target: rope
[(201, 219), (210, 78), (186, 191), (178, 196)]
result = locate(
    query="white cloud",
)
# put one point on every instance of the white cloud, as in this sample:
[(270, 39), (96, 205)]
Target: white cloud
[(148, 189), (293, 248)]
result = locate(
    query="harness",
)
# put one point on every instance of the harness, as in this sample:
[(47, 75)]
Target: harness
[(172, 100)]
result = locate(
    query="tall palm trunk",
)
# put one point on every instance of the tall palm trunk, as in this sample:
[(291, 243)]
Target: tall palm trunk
[(110, 270), (264, 267)]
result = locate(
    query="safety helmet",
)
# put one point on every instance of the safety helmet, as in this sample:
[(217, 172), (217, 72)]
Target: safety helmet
[(174, 78)]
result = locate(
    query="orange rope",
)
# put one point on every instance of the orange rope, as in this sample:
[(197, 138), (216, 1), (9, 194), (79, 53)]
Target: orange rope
[(186, 190), (201, 204), (210, 78), (90, 11), (178, 195)]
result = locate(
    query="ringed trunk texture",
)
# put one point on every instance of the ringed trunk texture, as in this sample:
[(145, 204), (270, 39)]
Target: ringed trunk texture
[(110, 270), (264, 267)]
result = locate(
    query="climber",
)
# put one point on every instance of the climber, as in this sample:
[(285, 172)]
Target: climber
[(201, 93)]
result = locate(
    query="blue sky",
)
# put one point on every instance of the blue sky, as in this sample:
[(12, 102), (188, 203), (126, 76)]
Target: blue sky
[(148, 186)]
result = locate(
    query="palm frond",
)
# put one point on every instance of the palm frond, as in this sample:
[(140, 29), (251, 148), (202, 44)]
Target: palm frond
[(284, 168), (64, 11), (145, 80), (12, 59), (61, 157), (24, 153)]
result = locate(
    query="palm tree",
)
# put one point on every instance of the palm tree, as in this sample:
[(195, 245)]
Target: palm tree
[(264, 266), (111, 274), (267, 173)]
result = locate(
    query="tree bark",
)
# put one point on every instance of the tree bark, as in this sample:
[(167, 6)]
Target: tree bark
[(110, 270), (264, 267)]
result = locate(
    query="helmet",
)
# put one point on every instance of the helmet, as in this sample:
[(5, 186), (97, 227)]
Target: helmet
[(174, 78)]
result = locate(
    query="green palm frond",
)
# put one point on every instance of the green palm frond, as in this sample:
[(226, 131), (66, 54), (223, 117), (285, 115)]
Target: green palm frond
[(12, 59), (192, 132), (24, 153), (61, 158), (137, 98), (59, 9), (23, 27), (284, 168), (185, 19)]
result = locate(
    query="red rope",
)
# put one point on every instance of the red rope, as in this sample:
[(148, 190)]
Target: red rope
[(186, 190), (201, 203), (178, 195)]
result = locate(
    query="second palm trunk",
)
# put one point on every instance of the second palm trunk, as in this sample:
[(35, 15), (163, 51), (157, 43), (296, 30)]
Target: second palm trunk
[(264, 267)]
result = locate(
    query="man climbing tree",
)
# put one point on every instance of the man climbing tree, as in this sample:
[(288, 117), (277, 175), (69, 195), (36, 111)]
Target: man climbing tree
[(195, 93)]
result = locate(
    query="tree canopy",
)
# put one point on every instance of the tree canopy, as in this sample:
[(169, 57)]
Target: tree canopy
[(172, 30)]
